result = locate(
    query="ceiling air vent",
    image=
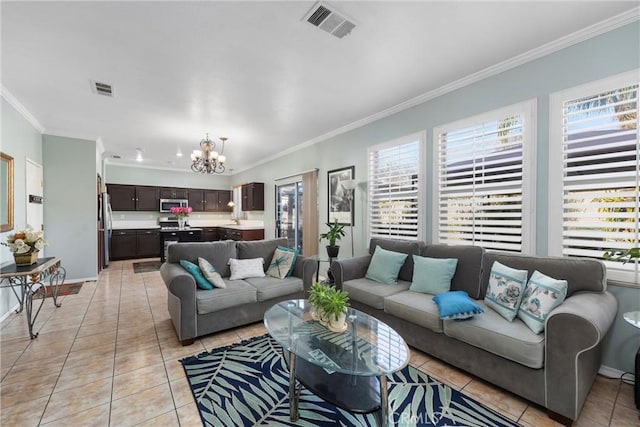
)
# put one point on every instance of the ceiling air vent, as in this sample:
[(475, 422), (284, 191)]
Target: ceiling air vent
[(328, 19), (101, 88)]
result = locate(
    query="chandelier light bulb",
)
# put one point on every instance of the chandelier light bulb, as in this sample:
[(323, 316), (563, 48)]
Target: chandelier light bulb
[(221, 158)]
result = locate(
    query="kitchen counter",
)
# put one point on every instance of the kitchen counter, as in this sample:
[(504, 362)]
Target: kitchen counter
[(135, 227), (240, 227)]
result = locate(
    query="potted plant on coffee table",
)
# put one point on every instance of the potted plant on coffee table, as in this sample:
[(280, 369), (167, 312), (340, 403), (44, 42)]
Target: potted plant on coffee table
[(317, 294), (333, 235), (334, 309)]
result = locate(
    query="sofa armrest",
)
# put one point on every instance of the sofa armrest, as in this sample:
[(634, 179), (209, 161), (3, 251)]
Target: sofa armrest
[(181, 300), (573, 335), (305, 268), (349, 269)]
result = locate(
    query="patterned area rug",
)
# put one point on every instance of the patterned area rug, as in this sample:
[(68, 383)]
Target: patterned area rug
[(247, 384), (146, 266)]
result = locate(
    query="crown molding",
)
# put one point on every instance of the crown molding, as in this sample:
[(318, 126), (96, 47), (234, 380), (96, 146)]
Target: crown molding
[(17, 105), (576, 37), (112, 162)]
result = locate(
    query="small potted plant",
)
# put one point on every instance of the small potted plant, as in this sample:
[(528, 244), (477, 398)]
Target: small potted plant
[(25, 245), (317, 294), (335, 233), (334, 308)]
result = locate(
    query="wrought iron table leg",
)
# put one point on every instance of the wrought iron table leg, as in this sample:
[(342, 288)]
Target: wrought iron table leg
[(56, 280)]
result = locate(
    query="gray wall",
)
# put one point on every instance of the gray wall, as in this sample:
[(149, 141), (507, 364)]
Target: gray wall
[(608, 54), (20, 140), (115, 174), (70, 211)]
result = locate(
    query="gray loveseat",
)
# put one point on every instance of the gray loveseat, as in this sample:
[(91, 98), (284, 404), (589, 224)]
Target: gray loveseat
[(196, 312), (554, 369)]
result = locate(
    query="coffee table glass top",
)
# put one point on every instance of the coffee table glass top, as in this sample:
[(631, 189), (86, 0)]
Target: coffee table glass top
[(368, 347)]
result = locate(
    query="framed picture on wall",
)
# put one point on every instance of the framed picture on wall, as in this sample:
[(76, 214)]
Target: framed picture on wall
[(340, 204)]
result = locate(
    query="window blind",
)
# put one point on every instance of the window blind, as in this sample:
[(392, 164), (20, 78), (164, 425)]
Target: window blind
[(601, 174), (394, 190), (480, 188)]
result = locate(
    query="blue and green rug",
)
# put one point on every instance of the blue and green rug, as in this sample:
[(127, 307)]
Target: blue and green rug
[(247, 384)]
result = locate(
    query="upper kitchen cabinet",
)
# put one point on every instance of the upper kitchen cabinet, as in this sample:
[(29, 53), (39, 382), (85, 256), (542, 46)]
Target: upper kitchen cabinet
[(209, 200), (253, 196), (173, 193), (133, 197), (224, 197), (196, 200)]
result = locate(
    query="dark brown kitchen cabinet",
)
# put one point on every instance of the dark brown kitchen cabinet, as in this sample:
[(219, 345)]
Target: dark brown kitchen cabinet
[(173, 193), (196, 200), (133, 197), (147, 243), (235, 234), (210, 234), (123, 244), (209, 200), (224, 197), (253, 196)]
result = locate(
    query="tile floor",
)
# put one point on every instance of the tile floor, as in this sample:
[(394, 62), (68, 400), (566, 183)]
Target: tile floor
[(109, 356)]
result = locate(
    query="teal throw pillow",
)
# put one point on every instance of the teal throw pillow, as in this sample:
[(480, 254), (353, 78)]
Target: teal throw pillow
[(210, 273), (282, 263), (385, 266), (194, 270), (432, 275), (504, 291), (543, 294), (456, 305)]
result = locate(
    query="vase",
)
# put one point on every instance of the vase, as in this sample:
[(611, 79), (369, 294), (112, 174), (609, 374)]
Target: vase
[(181, 221), (26, 258), (339, 324)]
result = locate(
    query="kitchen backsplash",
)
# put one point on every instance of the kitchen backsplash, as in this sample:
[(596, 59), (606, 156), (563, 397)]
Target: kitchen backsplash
[(199, 219)]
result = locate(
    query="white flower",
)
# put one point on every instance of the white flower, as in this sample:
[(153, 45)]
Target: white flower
[(39, 244), (21, 246)]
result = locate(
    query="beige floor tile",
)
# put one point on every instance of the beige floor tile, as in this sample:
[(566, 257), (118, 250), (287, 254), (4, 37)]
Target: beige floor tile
[(181, 392), (625, 417), (9, 359), (24, 414), (94, 417), (189, 415), (142, 406), (446, 374), (174, 369), (131, 361), (625, 396), (70, 402), (220, 339), (74, 376), (136, 381), (418, 358), (496, 398), (595, 413), (180, 352), (170, 419), (604, 388), (97, 328), (137, 344), (93, 341), (42, 351), (58, 335), (146, 331), (40, 386), (251, 331), (24, 371), (536, 417), (90, 355), (15, 345)]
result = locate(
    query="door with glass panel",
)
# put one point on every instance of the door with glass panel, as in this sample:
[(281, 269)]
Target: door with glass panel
[(289, 213)]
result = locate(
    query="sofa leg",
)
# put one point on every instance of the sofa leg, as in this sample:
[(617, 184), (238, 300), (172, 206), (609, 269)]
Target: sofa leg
[(566, 421), (188, 342)]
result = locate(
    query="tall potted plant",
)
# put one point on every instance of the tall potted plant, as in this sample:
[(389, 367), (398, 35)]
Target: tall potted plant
[(333, 235)]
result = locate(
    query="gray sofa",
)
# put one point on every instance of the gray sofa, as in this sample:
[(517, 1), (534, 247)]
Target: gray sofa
[(196, 312), (554, 369)]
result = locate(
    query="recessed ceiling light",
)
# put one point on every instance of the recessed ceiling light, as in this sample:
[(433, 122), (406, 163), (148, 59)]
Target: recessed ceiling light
[(139, 155), (179, 152)]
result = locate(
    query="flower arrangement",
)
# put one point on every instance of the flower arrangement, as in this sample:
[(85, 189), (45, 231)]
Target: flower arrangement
[(181, 212), (25, 241)]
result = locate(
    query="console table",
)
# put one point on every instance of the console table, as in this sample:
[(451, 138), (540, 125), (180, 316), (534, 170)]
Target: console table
[(33, 280)]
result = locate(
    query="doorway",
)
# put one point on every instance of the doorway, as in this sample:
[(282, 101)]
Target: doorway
[(289, 213)]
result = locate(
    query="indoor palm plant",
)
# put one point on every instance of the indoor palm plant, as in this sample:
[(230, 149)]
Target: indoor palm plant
[(329, 305), (333, 235)]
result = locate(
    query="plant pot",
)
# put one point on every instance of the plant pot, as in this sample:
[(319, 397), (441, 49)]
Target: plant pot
[(339, 324), (332, 251), (26, 259)]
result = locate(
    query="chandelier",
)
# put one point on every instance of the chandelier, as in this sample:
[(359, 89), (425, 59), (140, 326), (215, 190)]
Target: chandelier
[(208, 160)]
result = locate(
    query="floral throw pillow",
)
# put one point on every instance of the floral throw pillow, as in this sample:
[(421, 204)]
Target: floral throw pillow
[(543, 294), (504, 291), (282, 262)]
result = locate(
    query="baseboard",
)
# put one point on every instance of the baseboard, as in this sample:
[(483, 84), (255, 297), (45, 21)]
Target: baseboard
[(609, 372), (10, 311), (81, 279)]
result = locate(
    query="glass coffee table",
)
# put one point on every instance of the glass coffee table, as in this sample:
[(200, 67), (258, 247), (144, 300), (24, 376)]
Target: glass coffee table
[(347, 369)]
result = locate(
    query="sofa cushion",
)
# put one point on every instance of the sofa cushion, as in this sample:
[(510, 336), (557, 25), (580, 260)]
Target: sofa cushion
[(237, 292), (468, 270), (542, 294), (397, 245), (259, 249), (372, 293), (456, 305), (217, 253), (505, 289), (270, 287), (432, 275), (385, 266), (491, 332), (416, 308)]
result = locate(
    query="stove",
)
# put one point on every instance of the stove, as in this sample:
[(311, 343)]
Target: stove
[(169, 223)]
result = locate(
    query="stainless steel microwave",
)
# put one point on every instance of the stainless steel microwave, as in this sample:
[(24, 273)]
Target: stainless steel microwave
[(167, 204)]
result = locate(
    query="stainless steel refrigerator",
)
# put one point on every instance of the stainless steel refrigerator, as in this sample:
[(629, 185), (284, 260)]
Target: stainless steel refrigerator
[(106, 227)]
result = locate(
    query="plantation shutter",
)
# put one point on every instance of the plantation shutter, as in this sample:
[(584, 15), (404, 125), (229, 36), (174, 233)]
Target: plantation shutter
[(480, 182), (601, 174), (394, 190)]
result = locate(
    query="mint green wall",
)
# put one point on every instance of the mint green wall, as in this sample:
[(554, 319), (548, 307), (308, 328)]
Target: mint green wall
[(142, 176), (70, 209), (20, 140), (608, 54)]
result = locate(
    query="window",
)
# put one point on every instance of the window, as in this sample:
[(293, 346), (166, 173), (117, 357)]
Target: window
[(483, 183), (395, 192), (594, 168)]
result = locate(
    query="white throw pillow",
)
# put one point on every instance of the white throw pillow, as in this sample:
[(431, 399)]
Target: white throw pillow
[(210, 273), (246, 268)]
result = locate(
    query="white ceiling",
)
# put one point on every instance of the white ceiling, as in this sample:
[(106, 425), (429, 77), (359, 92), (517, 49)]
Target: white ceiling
[(252, 71)]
